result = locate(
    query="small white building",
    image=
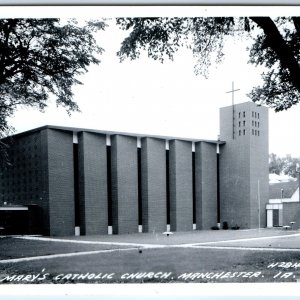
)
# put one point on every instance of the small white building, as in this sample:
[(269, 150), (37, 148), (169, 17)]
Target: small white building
[(284, 204)]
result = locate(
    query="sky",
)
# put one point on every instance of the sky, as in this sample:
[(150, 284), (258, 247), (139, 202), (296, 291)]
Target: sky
[(147, 97)]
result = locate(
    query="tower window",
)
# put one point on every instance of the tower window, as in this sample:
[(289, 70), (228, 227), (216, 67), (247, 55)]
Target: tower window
[(239, 123), (255, 123), (239, 132), (244, 114), (252, 123), (258, 132), (257, 115), (255, 132), (252, 131), (244, 131), (252, 114), (239, 114), (244, 123), (258, 124)]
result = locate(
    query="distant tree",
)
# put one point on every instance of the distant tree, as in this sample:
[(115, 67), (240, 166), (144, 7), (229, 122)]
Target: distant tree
[(276, 46), (291, 165), (39, 57), (276, 164), (287, 165)]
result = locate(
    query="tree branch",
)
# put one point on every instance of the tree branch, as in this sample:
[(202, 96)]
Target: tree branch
[(275, 41), (296, 21)]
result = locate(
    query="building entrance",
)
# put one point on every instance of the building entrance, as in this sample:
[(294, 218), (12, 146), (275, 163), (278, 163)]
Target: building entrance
[(15, 220), (274, 215)]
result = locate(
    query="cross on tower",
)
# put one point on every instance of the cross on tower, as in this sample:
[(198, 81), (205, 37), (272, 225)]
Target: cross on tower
[(232, 91)]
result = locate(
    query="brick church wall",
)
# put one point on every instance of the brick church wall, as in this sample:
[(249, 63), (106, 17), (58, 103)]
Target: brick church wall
[(206, 185), (142, 182), (153, 160), (92, 167), (124, 180), (181, 188), (60, 182)]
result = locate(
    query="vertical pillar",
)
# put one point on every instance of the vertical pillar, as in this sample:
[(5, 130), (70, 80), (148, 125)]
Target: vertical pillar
[(154, 204), (206, 185), (269, 218), (181, 188), (124, 180), (280, 215), (92, 183), (60, 178)]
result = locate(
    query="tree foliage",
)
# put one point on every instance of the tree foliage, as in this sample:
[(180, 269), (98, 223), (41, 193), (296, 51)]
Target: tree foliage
[(39, 57), (275, 164), (276, 47), (287, 165), (162, 37)]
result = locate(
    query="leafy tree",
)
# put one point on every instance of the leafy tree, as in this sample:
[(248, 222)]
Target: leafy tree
[(291, 166), (287, 165), (39, 57), (276, 46), (276, 164)]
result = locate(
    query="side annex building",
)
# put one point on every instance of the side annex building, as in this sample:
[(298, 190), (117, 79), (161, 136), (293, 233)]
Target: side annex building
[(64, 180)]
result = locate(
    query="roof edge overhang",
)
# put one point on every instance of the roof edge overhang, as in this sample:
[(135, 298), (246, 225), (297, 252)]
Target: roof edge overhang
[(106, 132)]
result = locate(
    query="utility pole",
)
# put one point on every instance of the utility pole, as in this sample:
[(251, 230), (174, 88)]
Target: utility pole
[(298, 172), (258, 198)]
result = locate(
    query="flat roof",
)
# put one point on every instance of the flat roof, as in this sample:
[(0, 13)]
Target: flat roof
[(138, 135), (253, 104)]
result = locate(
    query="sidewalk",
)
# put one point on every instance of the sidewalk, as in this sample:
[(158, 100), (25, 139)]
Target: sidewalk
[(179, 238)]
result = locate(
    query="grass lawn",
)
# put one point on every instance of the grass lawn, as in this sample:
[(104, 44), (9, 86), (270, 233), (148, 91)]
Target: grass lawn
[(166, 262)]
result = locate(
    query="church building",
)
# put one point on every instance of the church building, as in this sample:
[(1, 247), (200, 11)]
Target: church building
[(63, 181)]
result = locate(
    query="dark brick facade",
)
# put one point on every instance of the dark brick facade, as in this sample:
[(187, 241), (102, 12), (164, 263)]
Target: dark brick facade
[(206, 185), (154, 208), (124, 181), (181, 189), (98, 178), (92, 167), (22, 182), (60, 182)]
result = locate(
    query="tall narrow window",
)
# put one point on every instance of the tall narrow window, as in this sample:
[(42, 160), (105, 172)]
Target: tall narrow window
[(109, 187), (76, 185), (168, 186), (194, 187), (218, 189), (139, 153)]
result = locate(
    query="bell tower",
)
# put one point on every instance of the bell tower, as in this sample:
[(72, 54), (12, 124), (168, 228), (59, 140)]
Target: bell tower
[(244, 169)]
